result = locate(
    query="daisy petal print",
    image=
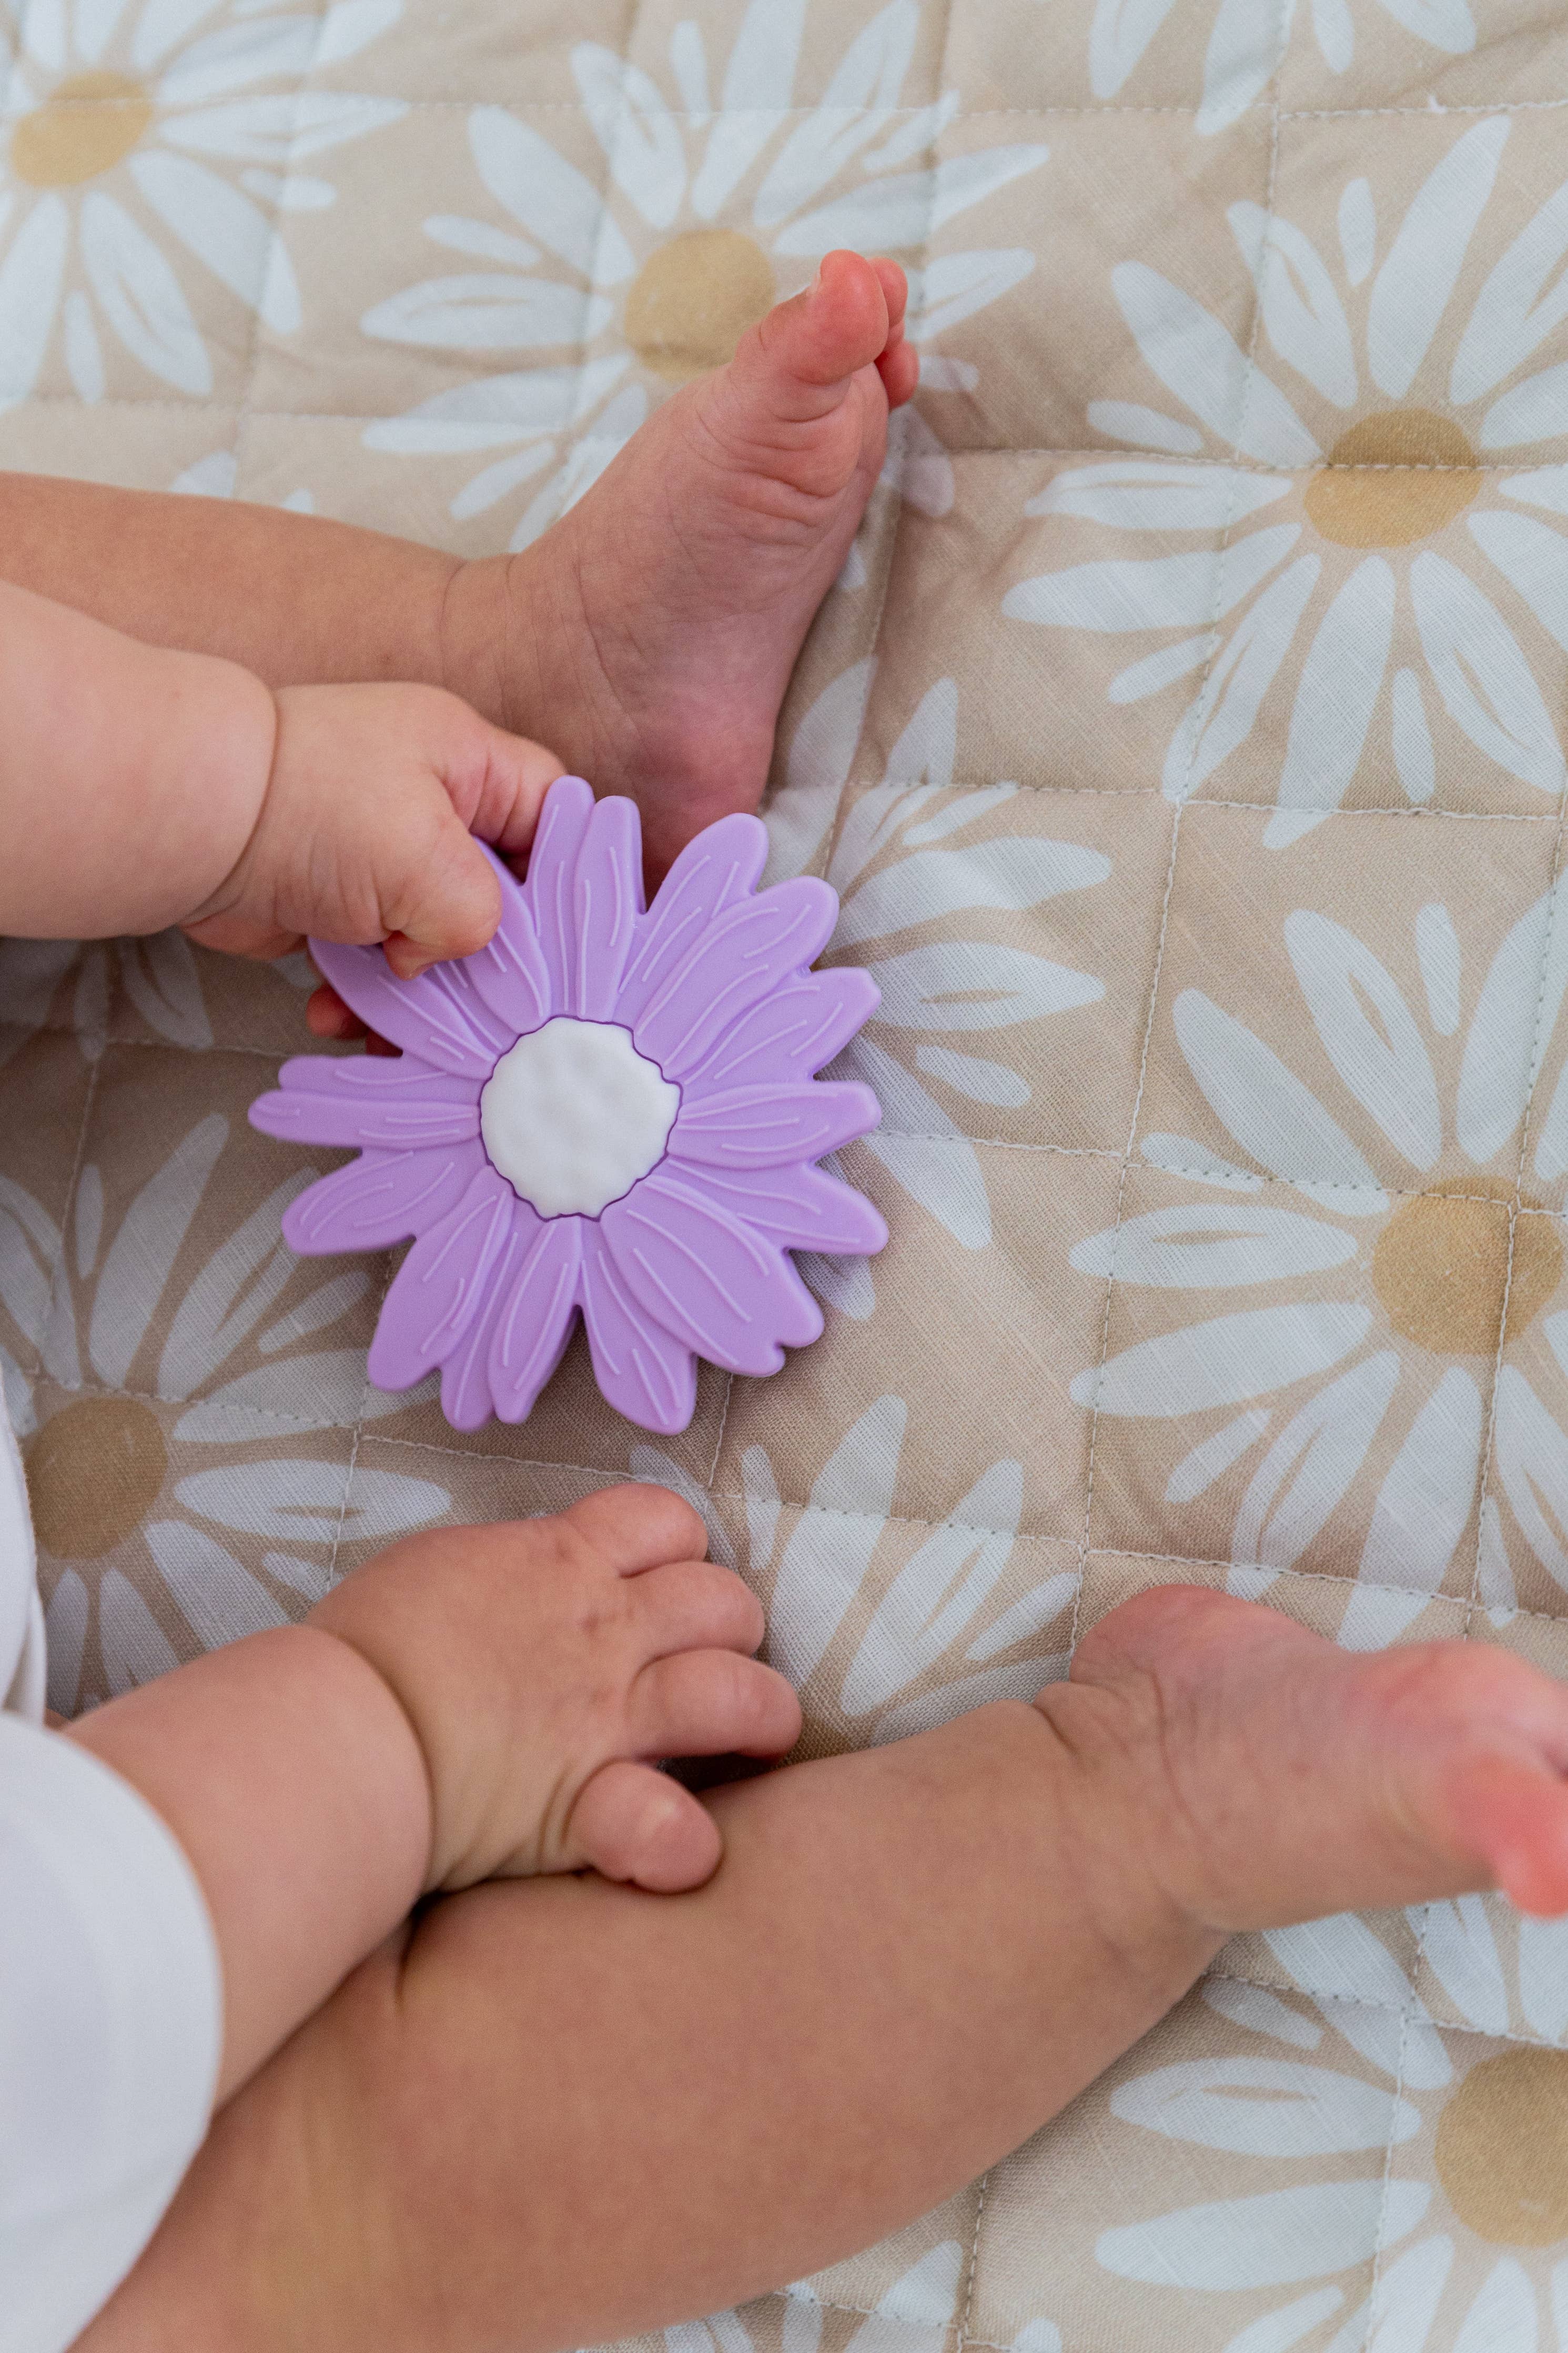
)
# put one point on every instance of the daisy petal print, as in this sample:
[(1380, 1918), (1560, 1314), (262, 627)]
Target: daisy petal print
[(1331, 1360), (700, 217), (114, 237), (1390, 355), (191, 1428)]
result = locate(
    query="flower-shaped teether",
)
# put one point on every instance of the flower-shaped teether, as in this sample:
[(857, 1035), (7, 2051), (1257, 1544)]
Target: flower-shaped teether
[(603, 1110)]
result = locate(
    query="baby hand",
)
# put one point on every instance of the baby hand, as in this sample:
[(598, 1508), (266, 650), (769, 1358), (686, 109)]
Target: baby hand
[(543, 1663), (367, 830)]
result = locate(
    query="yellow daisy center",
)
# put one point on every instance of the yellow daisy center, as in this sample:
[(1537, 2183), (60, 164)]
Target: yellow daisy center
[(1442, 1260), (693, 298), (85, 126), (93, 1473), (1392, 478), (1503, 2148)]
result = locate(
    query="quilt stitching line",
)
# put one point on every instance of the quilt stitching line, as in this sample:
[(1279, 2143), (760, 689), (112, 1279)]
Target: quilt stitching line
[(1536, 1059), (521, 106), (1415, 2012), (1236, 462), (1282, 13), (268, 1421)]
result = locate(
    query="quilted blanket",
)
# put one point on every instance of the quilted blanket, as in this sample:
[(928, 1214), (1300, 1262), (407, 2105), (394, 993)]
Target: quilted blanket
[(1185, 739)]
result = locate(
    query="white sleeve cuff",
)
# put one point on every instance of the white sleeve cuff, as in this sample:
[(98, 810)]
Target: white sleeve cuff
[(110, 2031)]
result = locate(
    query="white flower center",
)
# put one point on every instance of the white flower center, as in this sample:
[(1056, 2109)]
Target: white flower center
[(573, 1115)]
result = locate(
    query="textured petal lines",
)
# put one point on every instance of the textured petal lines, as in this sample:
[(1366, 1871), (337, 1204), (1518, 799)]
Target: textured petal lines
[(711, 875), (509, 972), (467, 1399), (367, 1100), (439, 1286), (799, 1208), (535, 1324), (606, 903), (706, 1277), (792, 1034), (381, 1198), (552, 871), (644, 1371), (440, 1017), (769, 1127), (740, 959)]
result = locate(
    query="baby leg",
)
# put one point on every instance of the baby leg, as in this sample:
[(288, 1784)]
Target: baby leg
[(560, 2112)]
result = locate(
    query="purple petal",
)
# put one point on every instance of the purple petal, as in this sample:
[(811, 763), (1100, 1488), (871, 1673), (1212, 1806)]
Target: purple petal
[(799, 1208), (441, 1284), (440, 1017), (466, 1397), (769, 1127), (642, 1371), (551, 868), (368, 1098), (509, 972), (738, 962), (793, 1033), (606, 903), (707, 1276), (711, 873), (381, 1198), (536, 1322)]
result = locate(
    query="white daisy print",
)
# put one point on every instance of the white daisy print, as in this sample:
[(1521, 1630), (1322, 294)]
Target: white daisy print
[(911, 859), (111, 1476), (1391, 400), (140, 137), (1247, 42), (1396, 1321), (957, 1606), (1421, 2156), (642, 280), (160, 975)]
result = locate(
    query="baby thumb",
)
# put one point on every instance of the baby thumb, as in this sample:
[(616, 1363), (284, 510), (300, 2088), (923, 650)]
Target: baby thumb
[(453, 904)]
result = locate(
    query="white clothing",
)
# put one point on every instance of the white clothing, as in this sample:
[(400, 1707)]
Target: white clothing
[(111, 1996)]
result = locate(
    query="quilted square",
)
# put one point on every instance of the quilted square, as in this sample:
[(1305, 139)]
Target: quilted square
[(909, 1430), (1010, 932), (1365, 58), (1358, 1008), (1122, 218)]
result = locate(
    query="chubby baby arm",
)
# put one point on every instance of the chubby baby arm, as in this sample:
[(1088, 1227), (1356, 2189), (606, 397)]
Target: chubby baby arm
[(141, 786), (477, 1703)]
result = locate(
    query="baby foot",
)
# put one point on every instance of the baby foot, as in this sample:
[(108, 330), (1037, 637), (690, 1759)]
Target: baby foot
[(545, 1666), (1265, 1777), (651, 634)]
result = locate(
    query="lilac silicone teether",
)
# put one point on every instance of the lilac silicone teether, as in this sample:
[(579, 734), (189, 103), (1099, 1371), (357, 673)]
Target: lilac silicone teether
[(603, 1110)]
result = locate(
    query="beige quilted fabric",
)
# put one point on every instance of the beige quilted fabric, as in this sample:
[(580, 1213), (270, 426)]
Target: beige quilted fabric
[(1185, 737)]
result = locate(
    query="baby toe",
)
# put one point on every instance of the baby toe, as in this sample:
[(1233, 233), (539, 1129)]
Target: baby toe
[(631, 1823), (694, 1605), (713, 1703)]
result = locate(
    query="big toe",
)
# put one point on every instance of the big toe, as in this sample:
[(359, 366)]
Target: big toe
[(800, 356), (632, 1822)]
